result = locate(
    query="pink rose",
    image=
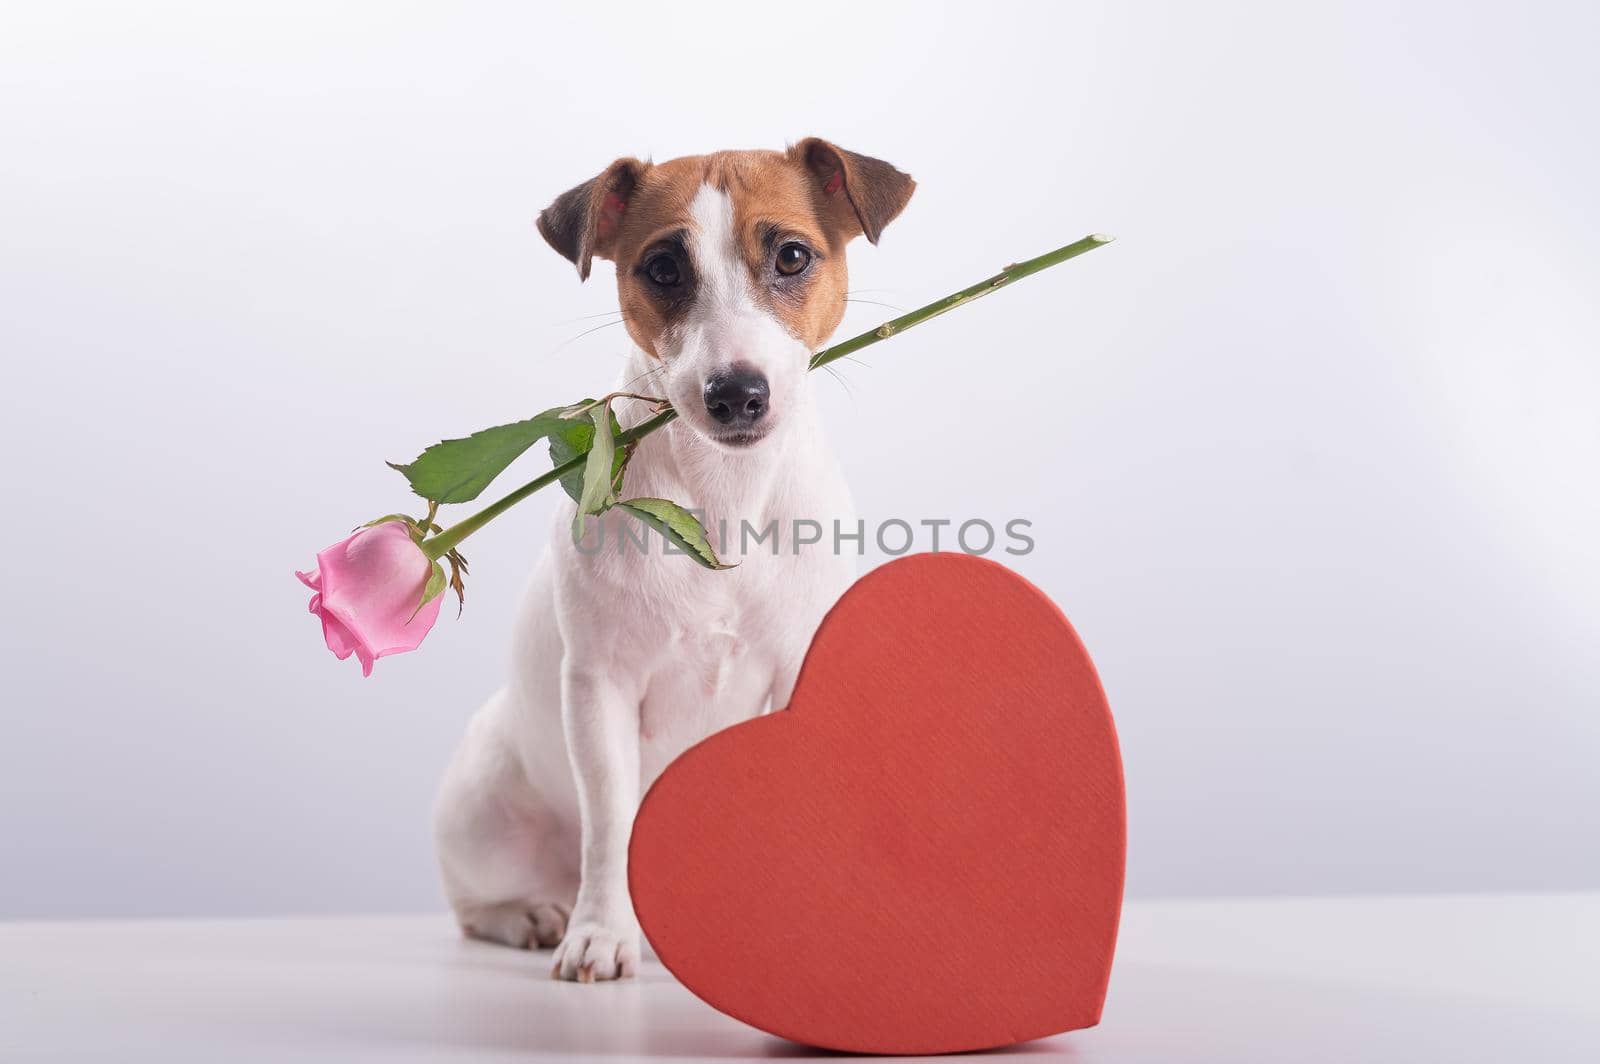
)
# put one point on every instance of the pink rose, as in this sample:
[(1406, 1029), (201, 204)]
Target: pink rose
[(367, 589)]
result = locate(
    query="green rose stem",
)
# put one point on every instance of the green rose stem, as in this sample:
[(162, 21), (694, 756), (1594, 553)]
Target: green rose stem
[(440, 545)]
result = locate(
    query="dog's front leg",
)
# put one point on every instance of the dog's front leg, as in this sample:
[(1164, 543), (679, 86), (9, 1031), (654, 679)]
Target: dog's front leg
[(600, 716)]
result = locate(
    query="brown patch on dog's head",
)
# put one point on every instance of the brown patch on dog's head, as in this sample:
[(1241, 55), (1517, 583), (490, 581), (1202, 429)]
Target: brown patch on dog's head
[(793, 213)]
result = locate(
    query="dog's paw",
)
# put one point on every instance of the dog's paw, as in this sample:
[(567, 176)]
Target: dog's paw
[(593, 952), (516, 924)]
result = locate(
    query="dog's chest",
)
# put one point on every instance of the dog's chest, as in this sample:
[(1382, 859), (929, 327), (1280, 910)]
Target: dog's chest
[(713, 638), (729, 641), (714, 673)]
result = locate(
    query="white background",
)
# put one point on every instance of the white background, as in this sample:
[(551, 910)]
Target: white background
[(1312, 451)]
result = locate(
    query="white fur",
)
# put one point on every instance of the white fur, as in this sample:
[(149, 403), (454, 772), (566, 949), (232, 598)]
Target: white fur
[(622, 661), (726, 325)]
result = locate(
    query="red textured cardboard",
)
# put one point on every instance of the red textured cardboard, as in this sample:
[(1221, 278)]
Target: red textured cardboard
[(924, 853)]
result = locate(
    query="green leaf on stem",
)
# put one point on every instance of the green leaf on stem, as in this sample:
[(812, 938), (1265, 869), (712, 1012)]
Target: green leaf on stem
[(678, 525), (598, 475), (458, 470), (574, 440)]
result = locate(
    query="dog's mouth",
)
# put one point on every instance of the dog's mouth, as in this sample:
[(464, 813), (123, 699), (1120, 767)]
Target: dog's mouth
[(741, 438)]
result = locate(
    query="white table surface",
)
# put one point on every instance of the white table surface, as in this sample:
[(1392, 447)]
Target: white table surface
[(1493, 978)]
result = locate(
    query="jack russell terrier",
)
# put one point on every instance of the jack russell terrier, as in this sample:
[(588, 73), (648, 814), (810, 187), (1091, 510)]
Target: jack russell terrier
[(730, 275)]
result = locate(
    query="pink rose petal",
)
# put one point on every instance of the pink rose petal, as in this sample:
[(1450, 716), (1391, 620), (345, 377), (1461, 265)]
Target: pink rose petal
[(368, 586)]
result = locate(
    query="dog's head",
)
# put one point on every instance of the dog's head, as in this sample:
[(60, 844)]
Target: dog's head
[(730, 268)]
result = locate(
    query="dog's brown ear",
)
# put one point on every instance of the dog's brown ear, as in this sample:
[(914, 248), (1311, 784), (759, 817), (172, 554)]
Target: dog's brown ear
[(583, 221), (862, 193)]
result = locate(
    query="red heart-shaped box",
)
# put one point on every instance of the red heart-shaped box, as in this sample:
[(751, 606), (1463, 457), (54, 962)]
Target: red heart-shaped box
[(924, 853)]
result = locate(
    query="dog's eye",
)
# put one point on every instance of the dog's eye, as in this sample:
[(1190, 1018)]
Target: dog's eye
[(792, 259), (663, 270)]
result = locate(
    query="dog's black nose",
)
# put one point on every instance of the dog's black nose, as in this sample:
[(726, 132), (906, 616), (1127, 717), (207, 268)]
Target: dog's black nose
[(737, 397)]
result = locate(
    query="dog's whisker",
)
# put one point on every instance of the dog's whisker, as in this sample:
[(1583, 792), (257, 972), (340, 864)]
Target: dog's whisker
[(589, 317), (876, 303), (572, 340), (628, 385), (836, 375)]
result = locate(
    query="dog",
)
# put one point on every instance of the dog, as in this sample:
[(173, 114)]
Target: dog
[(730, 274)]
